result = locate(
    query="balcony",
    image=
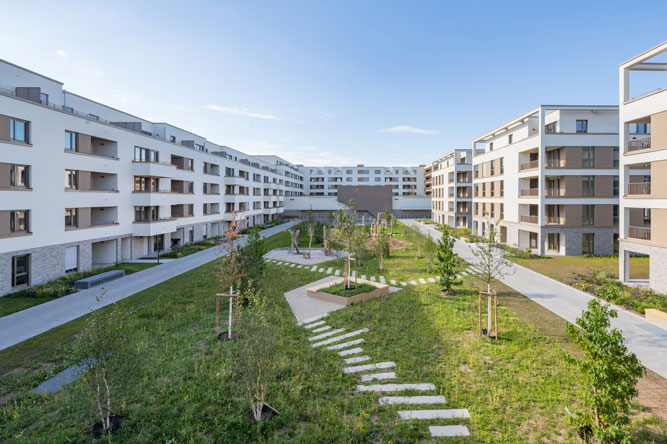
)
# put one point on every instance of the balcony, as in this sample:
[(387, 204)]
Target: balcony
[(528, 219), (643, 233), (152, 169), (533, 164), (555, 163), (639, 188), (639, 144), (529, 192), (555, 220), (555, 192)]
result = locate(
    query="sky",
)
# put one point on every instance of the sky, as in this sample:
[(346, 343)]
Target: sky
[(333, 82)]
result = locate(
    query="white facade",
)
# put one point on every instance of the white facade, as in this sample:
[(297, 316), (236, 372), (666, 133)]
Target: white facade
[(643, 142), (451, 189), (85, 185), (548, 180), (324, 181)]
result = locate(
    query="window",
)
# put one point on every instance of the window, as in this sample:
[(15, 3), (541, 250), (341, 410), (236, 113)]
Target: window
[(154, 156), (616, 186), (18, 130), (362, 179), (492, 192), (553, 241), (502, 211), (348, 179), (191, 187), (502, 165), (19, 176), (71, 179), (587, 214), (582, 126), (642, 128), (588, 186), (647, 216), (550, 128), (491, 146), (21, 270), (71, 141), (199, 147), (18, 221), (615, 164), (476, 171), (588, 243), (190, 165), (43, 98), (93, 117), (158, 242), (172, 139), (532, 240), (362, 171), (615, 215), (350, 172), (588, 157), (71, 217), (141, 154), (376, 172), (71, 259), (378, 179), (493, 167), (502, 188), (615, 243), (510, 138)]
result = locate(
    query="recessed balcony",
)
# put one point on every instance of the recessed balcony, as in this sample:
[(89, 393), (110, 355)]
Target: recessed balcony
[(643, 143), (642, 233), (639, 188)]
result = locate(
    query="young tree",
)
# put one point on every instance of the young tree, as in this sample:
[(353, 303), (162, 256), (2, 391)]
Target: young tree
[(231, 270), (382, 249), (357, 243), (255, 352), (448, 262), (252, 256), (430, 248), (492, 265), (609, 374), (103, 352), (416, 238)]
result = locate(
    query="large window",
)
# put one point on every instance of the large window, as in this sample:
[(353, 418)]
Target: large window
[(158, 242), (615, 186), (18, 221), (615, 215), (615, 162), (588, 186), (587, 214), (582, 126), (588, 157), (146, 184), (71, 179), (71, 217), (18, 130), (19, 176), (588, 243), (553, 241), (21, 270), (71, 141)]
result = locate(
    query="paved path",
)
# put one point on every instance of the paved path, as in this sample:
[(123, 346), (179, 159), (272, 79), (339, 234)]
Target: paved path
[(25, 324), (648, 341)]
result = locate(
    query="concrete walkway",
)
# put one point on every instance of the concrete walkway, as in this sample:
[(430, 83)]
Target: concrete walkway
[(25, 324), (648, 341)]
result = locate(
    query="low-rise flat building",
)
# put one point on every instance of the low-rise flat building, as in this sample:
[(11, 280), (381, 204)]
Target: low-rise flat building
[(548, 182), (325, 181), (451, 200), (643, 142)]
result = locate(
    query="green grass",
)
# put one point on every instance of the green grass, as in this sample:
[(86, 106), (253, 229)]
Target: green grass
[(516, 388), (562, 268), (340, 290), (62, 286)]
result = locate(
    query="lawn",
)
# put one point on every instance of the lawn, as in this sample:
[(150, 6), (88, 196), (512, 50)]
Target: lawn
[(515, 388), (12, 303), (562, 268)]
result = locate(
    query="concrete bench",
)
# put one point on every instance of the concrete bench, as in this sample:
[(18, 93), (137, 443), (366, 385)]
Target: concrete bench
[(656, 316), (99, 279)]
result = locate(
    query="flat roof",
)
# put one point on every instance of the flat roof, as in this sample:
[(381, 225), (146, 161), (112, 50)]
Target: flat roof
[(644, 53), (31, 72)]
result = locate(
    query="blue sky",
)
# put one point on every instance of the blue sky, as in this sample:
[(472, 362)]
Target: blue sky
[(333, 82)]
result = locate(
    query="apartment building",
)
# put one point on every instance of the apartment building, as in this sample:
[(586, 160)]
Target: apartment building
[(84, 185), (428, 180), (451, 199), (325, 181), (548, 180), (643, 164)]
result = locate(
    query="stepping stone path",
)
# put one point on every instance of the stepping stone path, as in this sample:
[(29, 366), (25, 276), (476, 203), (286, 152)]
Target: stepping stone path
[(373, 278), (367, 375), (363, 276), (314, 268), (382, 280), (413, 283), (329, 270), (392, 282), (293, 265), (321, 270), (422, 281), (403, 284), (337, 273), (431, 280)]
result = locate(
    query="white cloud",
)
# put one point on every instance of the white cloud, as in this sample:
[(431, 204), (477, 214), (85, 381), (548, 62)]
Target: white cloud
[(405, 129), (245, 112), (61, 53), (95, 72)]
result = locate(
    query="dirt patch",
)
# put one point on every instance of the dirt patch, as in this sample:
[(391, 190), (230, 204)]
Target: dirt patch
[(394, 244)]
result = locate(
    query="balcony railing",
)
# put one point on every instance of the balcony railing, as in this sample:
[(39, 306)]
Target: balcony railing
[(529, 165), (643, 233), (555, 192), (529, 219), (555, 163), (555, 220), (639, 188), (529, 192), (639, 144)]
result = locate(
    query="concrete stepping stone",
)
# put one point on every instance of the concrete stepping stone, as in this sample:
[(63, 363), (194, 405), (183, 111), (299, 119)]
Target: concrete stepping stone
[(422, 281), (404, 284), (314, 268), (434, 414), (382, 280), (329, 270), (392, 282), (351, 351), (372, 278), (311, 319), (337, 273), (326, 335), (363, 276), (346, 344), (378, 376), (353, 274), (313, 325), (321, 270), (452, 430), (413, 283), (439, 399), (366, 367), (338, 338), (395, 387), (293, 265), (324, 328), (431, 280), (299, 266), (357, 359), (464, 273), (278, 263)]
